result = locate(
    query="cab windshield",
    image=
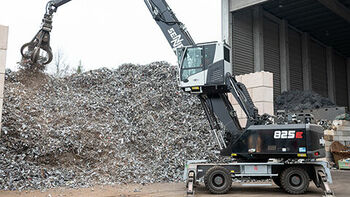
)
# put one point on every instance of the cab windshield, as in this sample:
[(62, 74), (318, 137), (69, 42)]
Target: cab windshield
[(191, 61)]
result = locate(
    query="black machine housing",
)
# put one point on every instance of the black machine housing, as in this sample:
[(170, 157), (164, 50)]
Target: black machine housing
[(303, 141)]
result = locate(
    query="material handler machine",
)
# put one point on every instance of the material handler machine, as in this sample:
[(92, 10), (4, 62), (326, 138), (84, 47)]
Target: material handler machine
[(285, 152), (205, 70)]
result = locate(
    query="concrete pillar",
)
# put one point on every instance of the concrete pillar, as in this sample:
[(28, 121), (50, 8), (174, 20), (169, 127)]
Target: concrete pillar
[(226, 22), (284, 56), (3, 48), (348, 77), (306, 61), (330, 74), (258, 32)]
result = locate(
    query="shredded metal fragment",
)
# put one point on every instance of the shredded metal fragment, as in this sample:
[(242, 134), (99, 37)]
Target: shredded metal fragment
[(129, 125)]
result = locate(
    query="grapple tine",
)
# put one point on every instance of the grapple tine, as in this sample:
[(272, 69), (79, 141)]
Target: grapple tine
[(37, 53)]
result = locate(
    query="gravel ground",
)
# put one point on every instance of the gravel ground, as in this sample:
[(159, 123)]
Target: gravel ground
[(340, 187)]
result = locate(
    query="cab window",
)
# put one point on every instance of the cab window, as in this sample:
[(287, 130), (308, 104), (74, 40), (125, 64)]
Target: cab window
[(192, 62)]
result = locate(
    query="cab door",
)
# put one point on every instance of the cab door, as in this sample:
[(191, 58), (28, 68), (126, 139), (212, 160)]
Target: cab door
[(192, 68)]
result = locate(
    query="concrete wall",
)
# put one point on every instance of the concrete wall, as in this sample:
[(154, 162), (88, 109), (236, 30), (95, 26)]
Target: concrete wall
[(260, 88), (3, 48)]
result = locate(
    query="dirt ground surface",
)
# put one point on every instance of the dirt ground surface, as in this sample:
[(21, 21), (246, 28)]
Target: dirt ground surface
[(340, 187)]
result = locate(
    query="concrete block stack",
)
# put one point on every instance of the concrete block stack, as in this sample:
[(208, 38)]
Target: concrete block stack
[(260, 88), (340, 132), (328, 136), (3, 48)]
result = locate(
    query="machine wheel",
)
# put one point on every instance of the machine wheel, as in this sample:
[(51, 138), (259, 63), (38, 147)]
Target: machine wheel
[(218, 180), (277, 180), (295, 180)]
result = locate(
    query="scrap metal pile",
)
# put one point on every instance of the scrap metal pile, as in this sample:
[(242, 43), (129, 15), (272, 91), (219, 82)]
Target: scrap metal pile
[(300, 100), (129, 125)]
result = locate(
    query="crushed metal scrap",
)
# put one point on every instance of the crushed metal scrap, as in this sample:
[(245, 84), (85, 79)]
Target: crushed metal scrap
[(297, 100), (129, 125)]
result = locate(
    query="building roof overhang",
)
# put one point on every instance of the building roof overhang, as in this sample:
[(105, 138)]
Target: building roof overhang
[(327, 21)]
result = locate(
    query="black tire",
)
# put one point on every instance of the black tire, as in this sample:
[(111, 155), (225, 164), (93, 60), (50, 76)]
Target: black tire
[(218, 180), (295, 180), (277, 180)]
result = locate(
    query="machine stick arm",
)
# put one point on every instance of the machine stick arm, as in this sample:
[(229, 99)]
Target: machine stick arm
[(58, 3), (174, 31)]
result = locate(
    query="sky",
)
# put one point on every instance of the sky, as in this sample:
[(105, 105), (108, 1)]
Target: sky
[(107, 33)]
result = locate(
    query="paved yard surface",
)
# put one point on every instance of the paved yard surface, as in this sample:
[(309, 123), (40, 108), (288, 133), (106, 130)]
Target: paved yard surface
[(341, 187)]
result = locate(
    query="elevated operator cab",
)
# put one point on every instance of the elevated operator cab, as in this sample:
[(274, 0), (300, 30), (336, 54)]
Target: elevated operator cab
[(203, 67)]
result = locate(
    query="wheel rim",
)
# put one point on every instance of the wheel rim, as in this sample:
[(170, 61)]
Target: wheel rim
[(218, 180), (295, 180)]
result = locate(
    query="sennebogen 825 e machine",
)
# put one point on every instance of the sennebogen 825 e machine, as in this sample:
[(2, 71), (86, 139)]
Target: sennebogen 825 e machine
[(205, 70)]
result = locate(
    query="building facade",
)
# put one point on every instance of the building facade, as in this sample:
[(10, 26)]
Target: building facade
[(304, 43), (3, 48)]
